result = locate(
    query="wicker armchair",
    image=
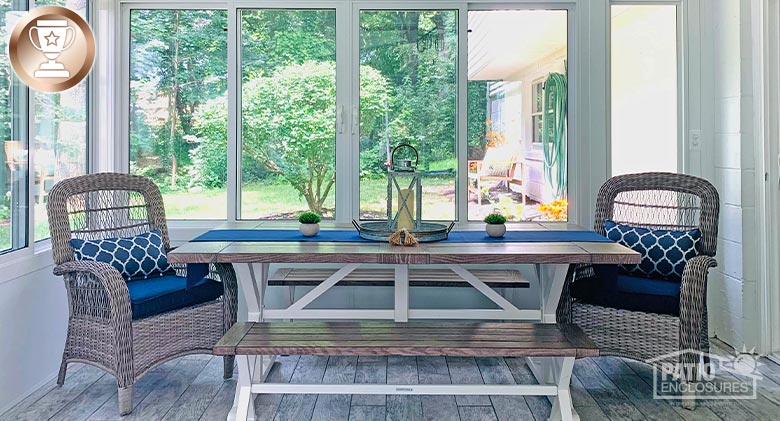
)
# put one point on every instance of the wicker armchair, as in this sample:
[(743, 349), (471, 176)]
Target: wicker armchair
[(101, 329), (653, 201)]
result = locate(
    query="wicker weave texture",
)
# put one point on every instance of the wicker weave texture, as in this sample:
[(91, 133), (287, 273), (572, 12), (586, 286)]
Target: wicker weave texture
[(653, 201), (101, 330)]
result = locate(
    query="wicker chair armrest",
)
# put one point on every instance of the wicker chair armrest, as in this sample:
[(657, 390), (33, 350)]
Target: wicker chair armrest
[(693, 300), (695, 273), (108, 277)]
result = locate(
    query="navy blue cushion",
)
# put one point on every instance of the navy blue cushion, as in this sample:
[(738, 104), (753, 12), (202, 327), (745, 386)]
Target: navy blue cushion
[(158, 295), (139, 257), (629, 293), (664, 253)]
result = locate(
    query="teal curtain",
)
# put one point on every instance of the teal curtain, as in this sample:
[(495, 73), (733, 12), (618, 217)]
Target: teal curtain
[(554, 133)]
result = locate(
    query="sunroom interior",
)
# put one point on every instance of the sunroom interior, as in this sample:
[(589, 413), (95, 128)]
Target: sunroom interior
[(218, 133)]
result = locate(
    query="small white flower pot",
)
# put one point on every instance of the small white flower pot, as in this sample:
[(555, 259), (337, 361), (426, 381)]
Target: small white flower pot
[(495, 230), (310, 230)]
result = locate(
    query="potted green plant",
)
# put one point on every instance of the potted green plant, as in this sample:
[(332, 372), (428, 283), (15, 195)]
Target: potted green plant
[(310, 224), (495, 225)]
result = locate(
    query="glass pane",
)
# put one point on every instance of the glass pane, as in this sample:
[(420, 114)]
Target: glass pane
[(644, 88), (288, 151), (517, 114), (178, 108), (61, 137), (408, 95), (13, 135)]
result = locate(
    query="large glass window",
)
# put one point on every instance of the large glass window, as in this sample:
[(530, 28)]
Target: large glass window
[(398, 83), (60, 135), (644, 88), (408, 62), (288, 113), (178, 108), (517, 114), (13, 134)]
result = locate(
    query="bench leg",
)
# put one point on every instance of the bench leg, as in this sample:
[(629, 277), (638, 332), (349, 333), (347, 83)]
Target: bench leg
[(244, 402), (557, 371), (562, 406)]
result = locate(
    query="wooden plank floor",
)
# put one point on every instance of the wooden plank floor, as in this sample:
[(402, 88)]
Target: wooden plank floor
[(191, 388)]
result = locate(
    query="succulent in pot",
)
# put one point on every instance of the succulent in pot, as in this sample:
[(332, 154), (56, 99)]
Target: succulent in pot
[(495, 225), (310, 224)]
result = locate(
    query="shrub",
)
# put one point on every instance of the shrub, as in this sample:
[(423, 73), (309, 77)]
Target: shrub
[(309, 218), (495, 218)]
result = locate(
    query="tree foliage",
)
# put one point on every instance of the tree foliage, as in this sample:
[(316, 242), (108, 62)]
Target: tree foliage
[(179, 109), (288, 125)]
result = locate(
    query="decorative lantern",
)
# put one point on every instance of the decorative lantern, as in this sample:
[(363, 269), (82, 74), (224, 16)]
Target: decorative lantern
[(404, 225), (404, 191)]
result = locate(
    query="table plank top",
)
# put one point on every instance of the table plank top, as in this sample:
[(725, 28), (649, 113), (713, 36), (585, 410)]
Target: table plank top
[(425, 253)]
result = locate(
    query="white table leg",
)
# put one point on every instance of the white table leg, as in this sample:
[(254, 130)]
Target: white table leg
[(558, 371), (401, 286), (252, 281), (552, 277)]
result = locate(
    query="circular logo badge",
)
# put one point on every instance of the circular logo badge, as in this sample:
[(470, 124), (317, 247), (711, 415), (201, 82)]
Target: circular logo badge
[(51, 49)]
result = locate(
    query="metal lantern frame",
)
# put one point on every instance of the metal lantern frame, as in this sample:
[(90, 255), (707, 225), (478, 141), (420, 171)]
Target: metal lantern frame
[(397, 179), (403, 173)]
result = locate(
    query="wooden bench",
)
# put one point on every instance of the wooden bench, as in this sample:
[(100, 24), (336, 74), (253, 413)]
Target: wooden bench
[(551, 350), (292, 277)]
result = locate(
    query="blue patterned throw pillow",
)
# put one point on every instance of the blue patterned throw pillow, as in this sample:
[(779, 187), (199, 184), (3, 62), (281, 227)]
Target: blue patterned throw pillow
[(664, 253), (139, 257)]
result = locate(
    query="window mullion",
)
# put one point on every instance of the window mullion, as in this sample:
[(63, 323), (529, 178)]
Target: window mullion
[(346, 168), (461, 150), (234, 117)]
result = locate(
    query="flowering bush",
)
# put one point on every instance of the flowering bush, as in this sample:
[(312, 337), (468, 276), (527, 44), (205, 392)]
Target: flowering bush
[(557, 210), (492, 135)]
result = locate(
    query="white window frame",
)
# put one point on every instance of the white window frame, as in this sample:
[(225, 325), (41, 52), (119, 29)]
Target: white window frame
[(588, 70), (36, 255), (347, 55)]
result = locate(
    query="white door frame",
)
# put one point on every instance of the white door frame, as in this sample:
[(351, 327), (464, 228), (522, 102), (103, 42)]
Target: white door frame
[(766, 88)]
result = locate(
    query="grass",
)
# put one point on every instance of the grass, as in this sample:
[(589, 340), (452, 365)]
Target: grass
[(280, 201)]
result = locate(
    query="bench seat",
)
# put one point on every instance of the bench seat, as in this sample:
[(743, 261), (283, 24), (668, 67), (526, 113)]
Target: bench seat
[(407, 339), (386, 277)]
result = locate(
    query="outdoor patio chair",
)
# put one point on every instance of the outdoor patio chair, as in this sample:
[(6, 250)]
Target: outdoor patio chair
[(127, 327), (644, 317), (500, 165)]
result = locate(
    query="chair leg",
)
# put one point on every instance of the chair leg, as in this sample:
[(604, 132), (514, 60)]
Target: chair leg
[(125, 395), (61, 374), (229, 364)]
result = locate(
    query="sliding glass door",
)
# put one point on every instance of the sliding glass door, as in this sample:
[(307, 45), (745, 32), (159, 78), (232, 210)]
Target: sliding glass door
[(288, 113), (517, 110), (407, 94)]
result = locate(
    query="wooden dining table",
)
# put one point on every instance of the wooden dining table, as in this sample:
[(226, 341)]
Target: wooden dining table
[(550, 261)]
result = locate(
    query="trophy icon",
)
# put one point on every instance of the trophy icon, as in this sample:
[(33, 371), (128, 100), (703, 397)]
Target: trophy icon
[(53, 39)]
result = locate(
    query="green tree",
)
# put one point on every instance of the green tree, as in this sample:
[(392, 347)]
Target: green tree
[(180, 56), (289, 125)]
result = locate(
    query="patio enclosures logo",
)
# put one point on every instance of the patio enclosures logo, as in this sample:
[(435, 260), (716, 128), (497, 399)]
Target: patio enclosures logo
[(682, 375)]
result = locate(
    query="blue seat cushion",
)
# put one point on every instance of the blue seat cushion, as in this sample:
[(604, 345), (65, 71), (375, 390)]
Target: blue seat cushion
[(628, 292), (152, 296)]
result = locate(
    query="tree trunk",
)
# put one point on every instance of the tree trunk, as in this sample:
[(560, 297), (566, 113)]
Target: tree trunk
[(172, 100), (410, 24)]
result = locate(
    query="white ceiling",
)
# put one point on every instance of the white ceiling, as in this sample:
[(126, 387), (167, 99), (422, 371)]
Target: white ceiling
[(503, 42)]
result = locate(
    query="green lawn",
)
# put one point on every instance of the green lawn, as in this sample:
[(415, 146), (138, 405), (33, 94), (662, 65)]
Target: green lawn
[(280, 201)]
